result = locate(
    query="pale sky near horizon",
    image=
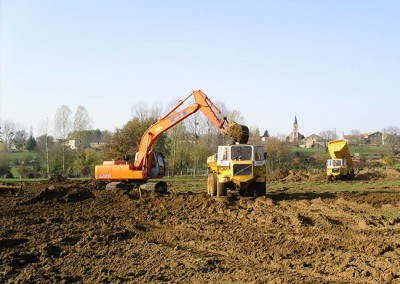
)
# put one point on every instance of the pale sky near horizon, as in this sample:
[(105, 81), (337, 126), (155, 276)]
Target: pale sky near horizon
[(333, 64)]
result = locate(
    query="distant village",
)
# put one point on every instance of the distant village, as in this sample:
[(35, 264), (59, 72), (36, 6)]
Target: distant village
[(314, 140)]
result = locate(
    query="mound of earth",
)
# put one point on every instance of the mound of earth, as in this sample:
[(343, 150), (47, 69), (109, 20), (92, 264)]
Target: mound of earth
[(300, 175)]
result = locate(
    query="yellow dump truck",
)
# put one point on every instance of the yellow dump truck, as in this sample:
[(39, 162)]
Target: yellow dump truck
[(237, 167), (341, 165)]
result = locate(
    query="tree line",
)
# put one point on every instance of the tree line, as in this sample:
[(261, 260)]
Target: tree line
[(186, 146)]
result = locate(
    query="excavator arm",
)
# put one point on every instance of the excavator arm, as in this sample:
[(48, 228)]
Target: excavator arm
[(238, 132)]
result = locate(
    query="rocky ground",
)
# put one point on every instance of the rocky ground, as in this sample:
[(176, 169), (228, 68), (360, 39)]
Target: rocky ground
[(76, 232)]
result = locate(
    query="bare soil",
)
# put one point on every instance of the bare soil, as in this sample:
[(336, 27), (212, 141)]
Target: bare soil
[(64, 231)]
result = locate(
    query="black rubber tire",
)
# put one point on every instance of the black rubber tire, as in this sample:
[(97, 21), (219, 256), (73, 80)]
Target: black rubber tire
[(250, 191), (261, 188), (246, 190), (222, 189), (212, 184), (242, 190)]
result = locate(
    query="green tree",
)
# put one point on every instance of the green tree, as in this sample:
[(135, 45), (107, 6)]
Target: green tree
[(126, 141), (266, 134), (7, 134), (85, 162), (178, 147), (5, 170), (31, 144)]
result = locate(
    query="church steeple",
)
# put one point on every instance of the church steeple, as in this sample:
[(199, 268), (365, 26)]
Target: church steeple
[(295, 130)]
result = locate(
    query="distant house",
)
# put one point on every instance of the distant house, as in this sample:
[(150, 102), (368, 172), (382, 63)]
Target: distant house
[(71, 144), (97, 145), (312, 141), (353, 139), (373, 137), (74, 144), (365, 138)]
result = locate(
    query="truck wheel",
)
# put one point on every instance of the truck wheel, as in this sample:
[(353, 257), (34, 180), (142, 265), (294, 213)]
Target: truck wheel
[(242, 189), (222, 189), (212, 184), (250, 191), (246, 189), (261, 188)]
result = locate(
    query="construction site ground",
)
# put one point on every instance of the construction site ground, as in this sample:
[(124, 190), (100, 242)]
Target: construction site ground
[(306, 230)]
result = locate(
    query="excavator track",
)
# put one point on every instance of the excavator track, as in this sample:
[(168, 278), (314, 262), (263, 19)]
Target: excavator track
[(159, 187)]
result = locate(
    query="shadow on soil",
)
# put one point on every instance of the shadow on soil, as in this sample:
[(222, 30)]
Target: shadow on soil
[(300, 196)]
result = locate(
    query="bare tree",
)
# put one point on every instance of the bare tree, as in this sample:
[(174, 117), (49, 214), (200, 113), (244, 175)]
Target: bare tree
[(19, 139), (156, 110), (236, 116), (391, 137), (62, 122), (142, 111), (327, 135), (255, 134), (82, 120), (7, 134), (356, 137), (62, 126)]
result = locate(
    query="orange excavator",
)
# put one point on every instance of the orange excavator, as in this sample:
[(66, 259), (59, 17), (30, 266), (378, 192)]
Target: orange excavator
[(149, 164)]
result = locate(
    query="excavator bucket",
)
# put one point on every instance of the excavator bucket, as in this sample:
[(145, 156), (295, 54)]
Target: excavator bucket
[(239, 133)]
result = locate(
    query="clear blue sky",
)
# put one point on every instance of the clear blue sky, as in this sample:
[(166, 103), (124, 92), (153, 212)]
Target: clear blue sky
[(334, 64)]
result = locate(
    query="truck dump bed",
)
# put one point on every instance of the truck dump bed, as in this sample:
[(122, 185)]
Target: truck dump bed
[(338, 149)]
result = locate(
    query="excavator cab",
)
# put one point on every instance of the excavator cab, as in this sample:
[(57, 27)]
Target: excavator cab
[(156, 161), (157, 168)]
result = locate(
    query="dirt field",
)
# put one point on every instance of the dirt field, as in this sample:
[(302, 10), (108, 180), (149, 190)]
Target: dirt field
[(304, 231)]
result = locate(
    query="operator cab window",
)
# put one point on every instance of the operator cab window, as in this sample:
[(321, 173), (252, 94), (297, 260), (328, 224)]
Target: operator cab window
[(259, 153), (223, 153), (241, 153)]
